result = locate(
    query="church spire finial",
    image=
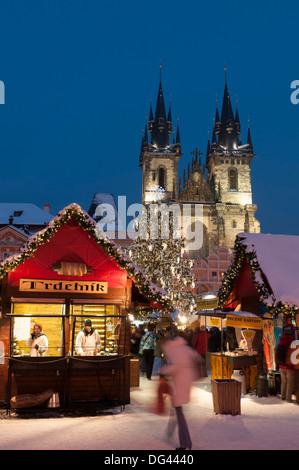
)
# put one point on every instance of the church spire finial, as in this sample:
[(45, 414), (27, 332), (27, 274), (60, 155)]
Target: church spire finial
[(249, 141)]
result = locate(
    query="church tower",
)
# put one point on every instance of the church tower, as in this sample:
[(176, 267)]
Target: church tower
[(228, 161), (158, 156), (220, 185)]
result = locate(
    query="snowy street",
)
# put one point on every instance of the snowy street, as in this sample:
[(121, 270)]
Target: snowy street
[(265, 424)]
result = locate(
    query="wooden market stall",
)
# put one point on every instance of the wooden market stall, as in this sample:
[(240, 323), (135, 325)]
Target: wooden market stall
[(240, 344), (65, 274), (263, 279)]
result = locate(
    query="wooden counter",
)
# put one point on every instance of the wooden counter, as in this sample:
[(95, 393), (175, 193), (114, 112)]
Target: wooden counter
[(76, 379), (223, 366)]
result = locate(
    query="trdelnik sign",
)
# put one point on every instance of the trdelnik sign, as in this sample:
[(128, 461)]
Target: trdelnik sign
[(50, 285)]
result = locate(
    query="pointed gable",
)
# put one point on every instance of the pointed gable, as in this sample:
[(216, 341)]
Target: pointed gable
[(73, 237)]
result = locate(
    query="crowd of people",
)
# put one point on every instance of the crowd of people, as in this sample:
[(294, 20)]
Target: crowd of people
[(147, 341)]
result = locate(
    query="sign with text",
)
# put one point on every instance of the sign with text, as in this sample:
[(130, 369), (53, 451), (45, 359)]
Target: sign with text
[(52, 285), (207, 304), (235, 321)]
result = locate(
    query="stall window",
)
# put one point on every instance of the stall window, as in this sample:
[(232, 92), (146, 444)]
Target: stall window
[(106, 320), (49, 316)]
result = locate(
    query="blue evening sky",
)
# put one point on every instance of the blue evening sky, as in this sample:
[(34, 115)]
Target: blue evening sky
[(79, 76)]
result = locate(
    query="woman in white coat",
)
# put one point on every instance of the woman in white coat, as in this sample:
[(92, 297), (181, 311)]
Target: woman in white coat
[(37, 342), (184, 368)]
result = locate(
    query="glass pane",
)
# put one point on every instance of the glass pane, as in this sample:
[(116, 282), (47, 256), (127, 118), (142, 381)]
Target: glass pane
[(47, 339), (104, 320)]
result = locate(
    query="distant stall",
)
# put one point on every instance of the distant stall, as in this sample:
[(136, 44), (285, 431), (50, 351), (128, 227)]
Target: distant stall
[(64, 275), (240, 347), (263, 279)]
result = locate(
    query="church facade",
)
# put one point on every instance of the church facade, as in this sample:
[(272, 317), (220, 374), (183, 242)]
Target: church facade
[(221, 183)]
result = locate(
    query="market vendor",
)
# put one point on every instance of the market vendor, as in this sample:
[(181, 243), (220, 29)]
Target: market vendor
[(88, 342), (37, 342)]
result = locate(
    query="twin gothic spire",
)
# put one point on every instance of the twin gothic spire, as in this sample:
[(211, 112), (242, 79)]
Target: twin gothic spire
[(160, 127), (226, 131)]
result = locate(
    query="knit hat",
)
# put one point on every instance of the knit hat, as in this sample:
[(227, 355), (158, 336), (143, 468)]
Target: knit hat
[(87, 323)]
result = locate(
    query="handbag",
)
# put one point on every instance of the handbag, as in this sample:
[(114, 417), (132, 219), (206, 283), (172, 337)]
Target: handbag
[(164, 390)]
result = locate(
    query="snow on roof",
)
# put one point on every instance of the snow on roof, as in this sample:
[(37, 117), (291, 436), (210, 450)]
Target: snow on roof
[(104, 211), (278, 258), (16, 229), (238, 313), (23, 214)]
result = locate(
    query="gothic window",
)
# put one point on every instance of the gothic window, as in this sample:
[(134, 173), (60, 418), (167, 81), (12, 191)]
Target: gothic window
[(162, 178), (232, 174), (234, 224)]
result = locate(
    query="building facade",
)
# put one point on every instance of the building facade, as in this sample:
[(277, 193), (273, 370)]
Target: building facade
[(18, 221), (221, 184)]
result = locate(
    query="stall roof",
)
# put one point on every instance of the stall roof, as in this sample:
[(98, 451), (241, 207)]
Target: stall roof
[(220, 313), (274, 263), (114, 251)]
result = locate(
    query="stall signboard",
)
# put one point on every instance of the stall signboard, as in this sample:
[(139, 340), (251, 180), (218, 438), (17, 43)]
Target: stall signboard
[(207, 304), (52, 285), (210, 321), (235, 321)]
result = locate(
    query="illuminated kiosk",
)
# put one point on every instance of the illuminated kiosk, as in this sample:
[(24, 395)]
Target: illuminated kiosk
[(263, 279), (65, 274), (240, 347)]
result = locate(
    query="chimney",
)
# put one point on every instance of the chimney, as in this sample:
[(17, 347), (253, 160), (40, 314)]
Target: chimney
[(47, 208)]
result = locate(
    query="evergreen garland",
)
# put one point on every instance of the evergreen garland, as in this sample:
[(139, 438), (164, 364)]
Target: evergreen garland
[(265, 293)]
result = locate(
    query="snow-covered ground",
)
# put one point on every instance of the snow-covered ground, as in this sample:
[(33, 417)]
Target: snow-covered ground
[(264, 423)]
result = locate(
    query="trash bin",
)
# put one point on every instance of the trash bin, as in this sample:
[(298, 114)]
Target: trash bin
[(226, 396), (262, 385)]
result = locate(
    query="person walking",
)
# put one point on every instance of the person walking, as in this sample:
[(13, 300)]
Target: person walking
[(183, 368), (147, 349), (286, 368), (135, 343), (200, 344)]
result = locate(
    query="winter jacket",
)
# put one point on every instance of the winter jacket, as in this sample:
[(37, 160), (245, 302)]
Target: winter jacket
[(200, 342), (38, 345), (148, 341), (286, 341), (183, 363), (86, 343)]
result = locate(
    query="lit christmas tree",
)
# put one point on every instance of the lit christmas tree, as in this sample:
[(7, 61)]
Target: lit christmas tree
[(159, 251)]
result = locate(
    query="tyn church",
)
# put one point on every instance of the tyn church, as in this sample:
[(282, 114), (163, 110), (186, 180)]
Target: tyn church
[(222, 184)]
